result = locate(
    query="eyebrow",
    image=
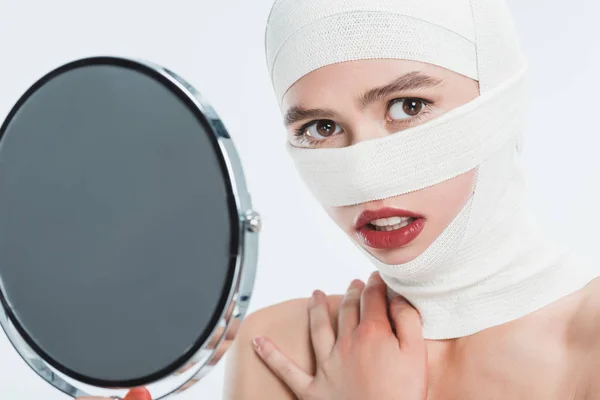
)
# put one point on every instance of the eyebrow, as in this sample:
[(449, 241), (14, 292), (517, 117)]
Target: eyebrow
[(410, 81), (296, 113)]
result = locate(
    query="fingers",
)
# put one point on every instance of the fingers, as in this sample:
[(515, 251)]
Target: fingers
[(321, 329), (134, 394), (296, 379), (373, 302), (407, 323), (349, 315), (138, 394)]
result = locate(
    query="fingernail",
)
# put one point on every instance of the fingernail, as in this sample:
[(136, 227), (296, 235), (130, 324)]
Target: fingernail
[(138, 394), (313, 298), (258, 342), (373, 276), (353, 284)]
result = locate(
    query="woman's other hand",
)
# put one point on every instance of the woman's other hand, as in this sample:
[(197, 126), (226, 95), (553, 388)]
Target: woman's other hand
[(133, 394), (366, 359)]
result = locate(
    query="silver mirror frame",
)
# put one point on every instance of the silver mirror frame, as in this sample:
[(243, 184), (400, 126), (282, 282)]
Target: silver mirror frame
[(236, 306)]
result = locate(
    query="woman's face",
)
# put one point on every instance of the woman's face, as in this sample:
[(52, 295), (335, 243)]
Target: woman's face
[(345, 103)]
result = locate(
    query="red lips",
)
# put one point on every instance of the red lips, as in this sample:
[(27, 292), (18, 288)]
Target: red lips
[(388, 239)]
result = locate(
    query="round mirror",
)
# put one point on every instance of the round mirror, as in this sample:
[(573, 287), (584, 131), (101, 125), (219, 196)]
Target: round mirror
[(128, 243)]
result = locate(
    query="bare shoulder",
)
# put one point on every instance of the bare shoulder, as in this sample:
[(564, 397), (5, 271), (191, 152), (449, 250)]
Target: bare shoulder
[(586, 319), (585, 343), (285, 323)]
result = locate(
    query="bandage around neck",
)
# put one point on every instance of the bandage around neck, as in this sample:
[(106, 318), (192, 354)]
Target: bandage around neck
[(491, 265)]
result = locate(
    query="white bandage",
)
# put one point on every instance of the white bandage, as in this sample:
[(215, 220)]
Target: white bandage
[(491, 265), (416, 158)]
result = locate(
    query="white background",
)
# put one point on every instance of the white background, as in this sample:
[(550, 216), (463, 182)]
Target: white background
[(218, 47)]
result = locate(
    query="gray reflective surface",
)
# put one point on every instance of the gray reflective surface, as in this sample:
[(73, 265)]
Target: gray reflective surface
[(114, 225)]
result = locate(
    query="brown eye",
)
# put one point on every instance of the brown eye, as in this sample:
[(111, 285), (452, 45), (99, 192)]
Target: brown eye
[(406, 108), (412, 106), (323, 129)]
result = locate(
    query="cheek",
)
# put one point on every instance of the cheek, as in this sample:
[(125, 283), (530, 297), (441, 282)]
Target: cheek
[(342, 216), (440, 202), (447, 198), (463, 187)]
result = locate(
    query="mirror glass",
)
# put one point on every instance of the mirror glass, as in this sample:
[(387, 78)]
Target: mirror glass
[(121, 223)]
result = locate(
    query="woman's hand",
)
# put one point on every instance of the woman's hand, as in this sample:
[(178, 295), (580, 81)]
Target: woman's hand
[(133, 394), (366, 360)]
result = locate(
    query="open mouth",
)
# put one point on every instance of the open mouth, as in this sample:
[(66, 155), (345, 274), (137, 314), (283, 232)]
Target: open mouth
[(390, 224), (388, 228)]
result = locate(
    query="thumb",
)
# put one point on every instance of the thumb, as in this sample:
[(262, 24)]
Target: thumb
[(138, 394)]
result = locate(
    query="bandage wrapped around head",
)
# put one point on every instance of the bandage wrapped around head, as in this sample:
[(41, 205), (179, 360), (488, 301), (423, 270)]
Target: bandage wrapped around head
[(491, 265)]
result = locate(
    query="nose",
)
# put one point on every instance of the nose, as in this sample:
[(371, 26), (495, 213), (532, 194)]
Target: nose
[(367, 130)]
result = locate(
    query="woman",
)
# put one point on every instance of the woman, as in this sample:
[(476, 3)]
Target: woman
[(405, 121)]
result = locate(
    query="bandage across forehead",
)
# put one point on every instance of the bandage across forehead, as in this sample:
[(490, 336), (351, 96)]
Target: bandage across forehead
[(491, 265), (473, 38)]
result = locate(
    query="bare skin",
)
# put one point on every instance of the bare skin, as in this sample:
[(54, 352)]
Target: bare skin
[(553, 353), (374, 350)]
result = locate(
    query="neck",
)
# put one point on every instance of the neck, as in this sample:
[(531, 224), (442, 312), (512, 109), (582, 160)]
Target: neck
[(499, 275)]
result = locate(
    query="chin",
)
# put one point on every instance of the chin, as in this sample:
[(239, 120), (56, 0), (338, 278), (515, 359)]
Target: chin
[(401, 255)]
